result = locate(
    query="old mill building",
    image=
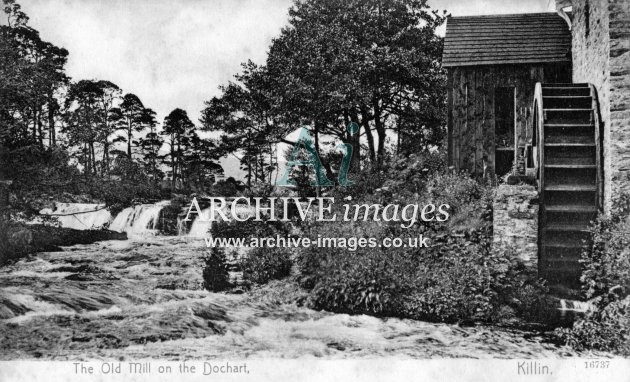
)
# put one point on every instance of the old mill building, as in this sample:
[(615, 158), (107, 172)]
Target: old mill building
[(546, 94)]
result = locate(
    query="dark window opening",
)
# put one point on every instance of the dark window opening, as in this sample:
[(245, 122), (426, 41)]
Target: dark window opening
[(587, 19), (504, 129)]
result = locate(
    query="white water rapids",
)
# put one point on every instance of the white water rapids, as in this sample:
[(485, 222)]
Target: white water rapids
[(141, 219), (143, 298), (80, 216)]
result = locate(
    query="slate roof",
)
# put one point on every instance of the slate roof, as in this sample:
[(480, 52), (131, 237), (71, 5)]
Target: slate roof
[(506, 39)]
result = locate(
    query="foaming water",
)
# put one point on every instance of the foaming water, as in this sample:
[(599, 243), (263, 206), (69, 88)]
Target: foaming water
[(203, 223), (80, 216), (144, 298), (139, 219)]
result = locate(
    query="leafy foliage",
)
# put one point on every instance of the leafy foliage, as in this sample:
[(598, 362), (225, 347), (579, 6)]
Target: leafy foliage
[(262, 265), (606, 283), (58, 135), (457, 278), (215, 273)]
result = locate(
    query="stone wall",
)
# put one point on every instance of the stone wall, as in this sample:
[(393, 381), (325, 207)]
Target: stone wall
[(515, 222), (601, 56), (591, 64), (619, 61)]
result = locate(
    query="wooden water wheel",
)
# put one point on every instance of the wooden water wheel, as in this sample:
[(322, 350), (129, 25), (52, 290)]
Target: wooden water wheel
[(567, 157)]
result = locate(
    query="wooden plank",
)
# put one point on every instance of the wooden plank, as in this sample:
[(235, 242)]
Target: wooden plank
[(571, 188), (469, 63), (502, 53), (578, 208), (449, 121)]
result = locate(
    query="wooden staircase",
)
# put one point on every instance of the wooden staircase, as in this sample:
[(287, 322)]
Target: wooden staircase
[(568, 156)]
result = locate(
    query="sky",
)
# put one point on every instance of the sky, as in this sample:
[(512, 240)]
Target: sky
[(176, 53)]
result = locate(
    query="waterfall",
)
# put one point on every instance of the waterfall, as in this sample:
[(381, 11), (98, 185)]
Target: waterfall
[(139, 219), (201, 227), (80, 215)]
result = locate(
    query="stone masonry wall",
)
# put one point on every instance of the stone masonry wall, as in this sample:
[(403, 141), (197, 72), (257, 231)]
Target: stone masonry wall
[(619, 29), (515, 222), (601, 56), (590, 50)]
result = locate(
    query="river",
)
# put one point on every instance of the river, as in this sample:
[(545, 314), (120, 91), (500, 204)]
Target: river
[(142, 298)]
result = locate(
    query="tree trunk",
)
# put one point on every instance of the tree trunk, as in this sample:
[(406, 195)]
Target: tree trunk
[(354, 140), (40, 133), (34, 124), (380, 130), (52, 136), (106, 156), (368, 133), (129, 137), (93, 157)]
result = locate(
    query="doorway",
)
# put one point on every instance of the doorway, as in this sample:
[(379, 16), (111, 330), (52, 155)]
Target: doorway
[(504, 113)]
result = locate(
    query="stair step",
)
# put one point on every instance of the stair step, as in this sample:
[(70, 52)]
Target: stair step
[(568, 139), (578, 208), (566, 227), (567, 244), (570, 176), (569, 125), (576, 144), (568, 110), (566, 97), (570, 165), (566, 91), (567, 102), (568, 116), (563, 273), (563, 263), (571, 187), (565, 85)]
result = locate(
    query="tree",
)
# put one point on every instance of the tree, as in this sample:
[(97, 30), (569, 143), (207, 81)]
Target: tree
[(178, 130), (89, 119), (373, 62), (150, 146), (243, 117), (202, 167), (31, 73), (134, 118)]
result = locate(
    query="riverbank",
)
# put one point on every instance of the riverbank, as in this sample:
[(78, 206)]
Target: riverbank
[(18, 240)]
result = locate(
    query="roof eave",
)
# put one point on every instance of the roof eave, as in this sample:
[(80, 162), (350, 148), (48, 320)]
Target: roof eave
[(507, 62)]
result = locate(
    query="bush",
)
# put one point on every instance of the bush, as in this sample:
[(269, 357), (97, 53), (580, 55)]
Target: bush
[(606, 264), (262, 265), (606, 283), (215, 273), (247, 229), (606, 329), (457, 278)]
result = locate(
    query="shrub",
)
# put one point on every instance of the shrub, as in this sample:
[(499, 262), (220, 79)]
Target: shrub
[(215, 273), (452, 281), (264, 264), (606, 263), (247, 229), (457, 278), (606, 283), (606, 329), (14, 241)]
